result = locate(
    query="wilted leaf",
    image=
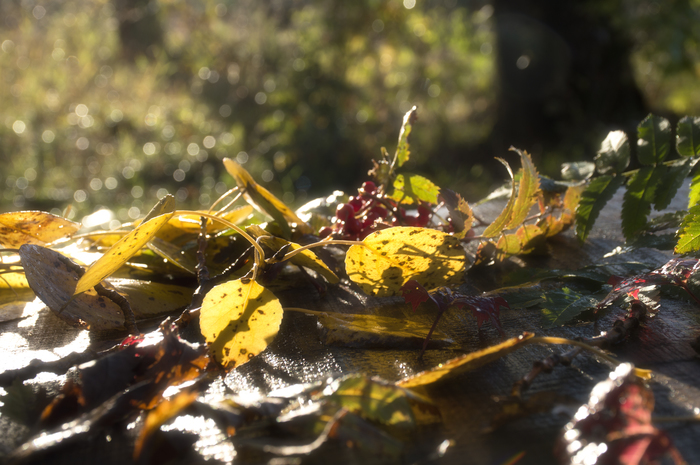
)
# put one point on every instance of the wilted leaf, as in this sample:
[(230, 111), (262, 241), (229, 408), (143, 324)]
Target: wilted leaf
[(402, 152), (636, 203), (164, 205), (468, 362), (386, 259), (460, 212), (563, 305), (593, 199), (262, 198), (654, 140), (614, 153), (528, 190), (238, 320), (410, 188), (499, 224), (33, 228), (688, 136), (120, 252), (670, 182), (161, 414), (376, 331)]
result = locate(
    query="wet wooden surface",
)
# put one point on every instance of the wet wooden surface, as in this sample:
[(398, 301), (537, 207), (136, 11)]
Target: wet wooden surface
[(466, 402)]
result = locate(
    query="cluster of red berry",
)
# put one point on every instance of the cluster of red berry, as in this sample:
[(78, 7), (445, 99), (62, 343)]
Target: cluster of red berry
[(370, 211)]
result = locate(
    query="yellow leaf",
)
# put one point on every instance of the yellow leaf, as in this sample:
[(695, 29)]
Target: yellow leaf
[(238, 320), (189, 225), (499, 224), (465, 363), (13, 280), (164, 205), (262, 198), (120, 252), (386, 259), (306, 258), (528, 190), (33, 228)]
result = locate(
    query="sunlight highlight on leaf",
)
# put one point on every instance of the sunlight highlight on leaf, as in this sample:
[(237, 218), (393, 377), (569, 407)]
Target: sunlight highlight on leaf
[(528, 190), (410, 188), (386, 259), (120, 253), (402, 152), (238, 320), (499, 224), (33, 227)]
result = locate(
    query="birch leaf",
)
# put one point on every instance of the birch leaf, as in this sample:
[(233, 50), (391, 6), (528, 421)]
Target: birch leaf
[(120, 252), (33, 228), (386, 259), (238, 320)]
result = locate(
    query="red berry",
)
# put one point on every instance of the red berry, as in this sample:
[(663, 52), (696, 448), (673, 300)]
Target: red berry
[(368, 188), (356, 203), (325, 232), (344, 211), (352, 225)]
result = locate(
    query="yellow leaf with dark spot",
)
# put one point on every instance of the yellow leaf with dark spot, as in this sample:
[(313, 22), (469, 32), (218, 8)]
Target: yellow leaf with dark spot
[(33, 228), (386, 259), (120, 252), (238, 320), (262, 198), (468, 362)]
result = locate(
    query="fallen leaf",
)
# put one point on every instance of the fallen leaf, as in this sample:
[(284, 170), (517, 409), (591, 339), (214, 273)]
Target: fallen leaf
[(33, 227), (386, 259), (238, 320)]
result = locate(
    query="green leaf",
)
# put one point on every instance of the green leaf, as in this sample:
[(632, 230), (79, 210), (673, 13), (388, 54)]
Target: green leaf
[(689, 232), (654, 140), (670, 182), (411, 187), (402, 152), (574, 171), (593, 199), (563, 305), (614, 153), (527, 191), (694, 194), (499, 224), (688, 136), (636, 204)]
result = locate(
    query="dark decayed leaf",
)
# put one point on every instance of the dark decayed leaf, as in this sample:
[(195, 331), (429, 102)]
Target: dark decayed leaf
[(636, 204), (654, 135), (376, 332), (33, 228), (460, 213), (593, 199), (675, 272), (688, 136), (615, 426), (671, 180), (614, 153), (561, 306), (410, 188)]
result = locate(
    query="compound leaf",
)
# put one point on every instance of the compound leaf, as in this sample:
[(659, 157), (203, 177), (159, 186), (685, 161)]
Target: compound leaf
[(694, 194), (670, 182), (561, 306), (614, 153), (238, 320), (654, 140), (636, 203), (689, 232), (688, 136), (593, 199), (386, 259), (528, 190), (33, 228)]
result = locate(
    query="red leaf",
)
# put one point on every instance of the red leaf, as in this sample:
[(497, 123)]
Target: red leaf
[(414, 293), (485, 309)]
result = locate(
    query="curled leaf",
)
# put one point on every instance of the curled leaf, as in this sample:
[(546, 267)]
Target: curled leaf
[(238, 320), (386, 259), (528, 190)]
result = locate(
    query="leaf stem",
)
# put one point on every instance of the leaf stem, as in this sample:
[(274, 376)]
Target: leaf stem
[(304, 310), (320, 244), (260, 253)]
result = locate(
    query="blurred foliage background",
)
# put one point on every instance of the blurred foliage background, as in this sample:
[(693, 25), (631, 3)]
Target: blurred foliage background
[(113, 103)]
